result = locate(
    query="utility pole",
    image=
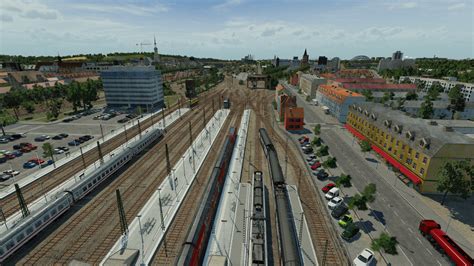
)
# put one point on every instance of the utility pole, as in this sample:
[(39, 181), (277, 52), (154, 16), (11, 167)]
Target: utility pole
[(24, 208), (123, 218), (3, 217), (168, 166), (125, 130), (162, 220), (101, 157), (179, 108), (163, 117), (213, 105), (139, 128), (191, 143), (84, 160), (102, 131)]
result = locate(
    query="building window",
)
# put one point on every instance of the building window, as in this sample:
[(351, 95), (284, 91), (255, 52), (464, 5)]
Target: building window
[(409, 151), (395, 152), (422, 170), (398, 142), (389, 148), (385, 145), (391, 140), (401, 156), (425, 159), (386, 136), (417, 155), (414, 165), (403, 146)]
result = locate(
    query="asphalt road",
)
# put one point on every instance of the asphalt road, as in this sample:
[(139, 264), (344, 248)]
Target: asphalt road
[(400, 219)]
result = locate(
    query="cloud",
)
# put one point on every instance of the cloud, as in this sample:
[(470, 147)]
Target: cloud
[(402, 5), (41, 14), (457, 6), (6, 18), (270, 31), (11, 8), (227, 4), (132, 9), (298, 32)]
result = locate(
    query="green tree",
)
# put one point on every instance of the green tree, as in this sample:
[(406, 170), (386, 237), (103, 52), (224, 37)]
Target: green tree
[(434, 91), (360, 200), (316, 142), (368, 95), (330, 162), (74, 95), (456, 177), (365, 146), (426, 110), (386, 242), (323, 151), (344, 180), (48, 150), (369, 192), (456, 98), (387, 96), (13, 100), (54, 108), (410, 96), (317, 129), (28, 106)]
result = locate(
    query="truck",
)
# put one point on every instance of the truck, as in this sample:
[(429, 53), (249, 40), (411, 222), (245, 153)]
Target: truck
[(325, 109), (431, 230)]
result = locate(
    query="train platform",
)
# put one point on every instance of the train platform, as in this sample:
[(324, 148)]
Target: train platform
[(234, 201), (146, 231), (41, 202), (308, 254), (73, 155)]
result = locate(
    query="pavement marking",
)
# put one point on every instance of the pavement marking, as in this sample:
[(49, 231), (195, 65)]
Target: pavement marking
[(403, 221), (407, 257), (409, 228), (396, 213), (439, 263), (429, 251), (419, 240)]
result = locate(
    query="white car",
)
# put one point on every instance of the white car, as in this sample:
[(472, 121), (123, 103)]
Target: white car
[(334, 192), (58, 151), (366, 257), (11, 172), (334, 202)]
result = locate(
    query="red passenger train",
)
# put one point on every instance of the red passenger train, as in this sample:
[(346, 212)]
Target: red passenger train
[(194, 248), (443, 243)]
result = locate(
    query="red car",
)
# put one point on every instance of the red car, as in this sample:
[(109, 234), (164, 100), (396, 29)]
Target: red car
[(9, 155), (36, 161), (328, 187), (315, 166)]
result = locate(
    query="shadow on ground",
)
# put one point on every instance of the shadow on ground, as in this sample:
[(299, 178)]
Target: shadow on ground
[(461, 209)]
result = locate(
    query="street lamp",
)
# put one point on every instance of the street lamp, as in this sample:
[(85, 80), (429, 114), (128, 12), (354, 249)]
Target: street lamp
[(141, 235)]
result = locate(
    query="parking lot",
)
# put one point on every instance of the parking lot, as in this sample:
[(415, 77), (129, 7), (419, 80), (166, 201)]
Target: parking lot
[(74, 129)]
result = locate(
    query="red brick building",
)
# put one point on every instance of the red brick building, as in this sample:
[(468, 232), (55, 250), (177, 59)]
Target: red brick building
[(294, 118)]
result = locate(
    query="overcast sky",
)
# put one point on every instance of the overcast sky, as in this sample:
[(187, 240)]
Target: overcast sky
[(230, 29)]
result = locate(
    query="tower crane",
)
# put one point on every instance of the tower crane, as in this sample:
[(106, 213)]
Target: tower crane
[(141, 45)]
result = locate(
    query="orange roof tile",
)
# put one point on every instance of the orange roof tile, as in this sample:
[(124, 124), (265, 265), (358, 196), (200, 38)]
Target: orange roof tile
[(336, 93)]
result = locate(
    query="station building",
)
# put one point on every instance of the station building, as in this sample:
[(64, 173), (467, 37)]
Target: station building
[(417, 148), (337, 100), (294, 118), (132, 86)]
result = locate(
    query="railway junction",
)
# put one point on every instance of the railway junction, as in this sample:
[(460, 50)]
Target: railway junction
[(172, 186)]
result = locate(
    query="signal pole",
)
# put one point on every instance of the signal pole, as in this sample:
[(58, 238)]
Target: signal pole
[(123, 218), (191, 143)]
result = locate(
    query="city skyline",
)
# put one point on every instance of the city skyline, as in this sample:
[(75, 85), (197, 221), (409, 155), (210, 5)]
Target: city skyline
[(233, 28)]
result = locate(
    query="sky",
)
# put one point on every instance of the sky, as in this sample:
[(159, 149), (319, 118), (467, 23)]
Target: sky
[(231, 29)]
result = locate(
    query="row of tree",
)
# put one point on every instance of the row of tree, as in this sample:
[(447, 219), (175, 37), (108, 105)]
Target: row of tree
[(80, 95)]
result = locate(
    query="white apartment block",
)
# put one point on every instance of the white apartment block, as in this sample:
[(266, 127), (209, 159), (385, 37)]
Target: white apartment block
[(467, 88)]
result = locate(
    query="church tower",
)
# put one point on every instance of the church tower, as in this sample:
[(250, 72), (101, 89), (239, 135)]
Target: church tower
[(156, 56), (305, 60)]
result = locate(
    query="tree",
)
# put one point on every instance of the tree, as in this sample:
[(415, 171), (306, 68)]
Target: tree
[(456, 177), (365, 146), (369, 192), (308, 98), (73, 95), (48, 150), (317, 129), (368, 95), (13, 100), (323, 151), (434, 91), (360, 200), (456, 98), (344, 180), (28, 106), (386, 242), (387, 96), (54, 106), (410, 96), (426, 110), (330, 162), (316, 142)]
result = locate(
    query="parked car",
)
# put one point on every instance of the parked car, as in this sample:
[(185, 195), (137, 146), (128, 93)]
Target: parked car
[(17, 153), (321, 175), (339, 211), (366, 257), (4, 140), (16, 146), (63, 148), (350, 231), (58, 151), (4, 177), (312, 157), (9, 155), (45, 136), (11, 172), (64, 135), (345, 220), (123, 120), (74, 143), (308, 151), (328, 187), (44, 164), (40, 139), (57, 137), (18, 136), (3, 158), (334, 202), (333, 192), (29, 165), (36, 160), (67, 120), (316, 165)]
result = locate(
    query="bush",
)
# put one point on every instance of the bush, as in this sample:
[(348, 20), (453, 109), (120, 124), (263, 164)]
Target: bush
[(241, 82), (365, 146), (344, 180), (330, 162), (386, 242), (358, 201), (323, 151), (316, 142), (317, 129)]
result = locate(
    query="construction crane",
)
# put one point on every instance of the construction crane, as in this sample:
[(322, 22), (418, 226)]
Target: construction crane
[(141, 46)]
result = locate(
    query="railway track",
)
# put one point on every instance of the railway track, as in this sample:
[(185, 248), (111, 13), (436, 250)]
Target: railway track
[(167, 254), (46, 183), (327, 245), (93, 230)]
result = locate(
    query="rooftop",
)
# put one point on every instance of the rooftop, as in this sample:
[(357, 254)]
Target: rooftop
[(338, 94), (360, 80), (373, 86), (435, 134), (294, 112)]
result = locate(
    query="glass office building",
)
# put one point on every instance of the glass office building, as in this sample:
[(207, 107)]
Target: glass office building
[(132, 86)]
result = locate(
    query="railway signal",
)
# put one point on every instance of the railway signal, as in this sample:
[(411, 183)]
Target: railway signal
[(24, 208), (123, 218)]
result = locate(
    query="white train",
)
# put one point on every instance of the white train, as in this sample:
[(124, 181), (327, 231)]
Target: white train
[(27, 228)]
